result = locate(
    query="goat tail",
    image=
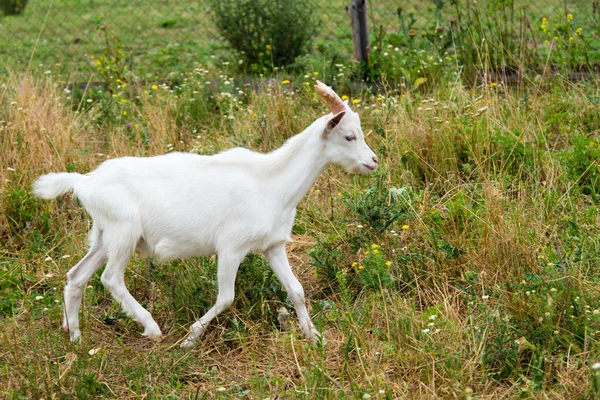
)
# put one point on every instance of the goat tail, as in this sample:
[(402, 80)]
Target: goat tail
[(53, 185)]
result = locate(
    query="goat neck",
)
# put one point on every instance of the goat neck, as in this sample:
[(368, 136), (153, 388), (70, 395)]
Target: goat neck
[(297, 164)]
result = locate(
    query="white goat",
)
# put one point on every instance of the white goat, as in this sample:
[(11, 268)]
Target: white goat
[(185, 205)]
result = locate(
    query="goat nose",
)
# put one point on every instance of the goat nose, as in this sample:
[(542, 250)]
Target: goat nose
[(375, 160)]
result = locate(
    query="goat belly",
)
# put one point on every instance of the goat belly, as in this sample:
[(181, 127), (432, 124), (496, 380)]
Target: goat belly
[(279, 231), (167, 249)]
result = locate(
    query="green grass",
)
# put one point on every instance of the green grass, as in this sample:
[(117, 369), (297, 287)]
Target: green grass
[(163, 37), (169, 37), (159, 35), (467, 267)]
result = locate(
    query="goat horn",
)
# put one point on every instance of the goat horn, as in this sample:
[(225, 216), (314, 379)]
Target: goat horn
[(333, 100)]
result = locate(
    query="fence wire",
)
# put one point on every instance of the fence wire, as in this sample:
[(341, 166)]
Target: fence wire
[(71, 32)]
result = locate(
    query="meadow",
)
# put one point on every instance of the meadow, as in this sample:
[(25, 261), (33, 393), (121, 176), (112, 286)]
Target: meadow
[(162, 36), (466, 267), (167, 37)]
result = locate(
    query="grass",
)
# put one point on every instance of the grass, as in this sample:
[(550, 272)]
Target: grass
[(63, 35), (467, 267), (171, 37), (160, 35)]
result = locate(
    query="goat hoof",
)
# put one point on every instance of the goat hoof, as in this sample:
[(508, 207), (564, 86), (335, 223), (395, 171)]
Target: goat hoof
[(75, 335), (153, 334), (188, 344), (318, 339)]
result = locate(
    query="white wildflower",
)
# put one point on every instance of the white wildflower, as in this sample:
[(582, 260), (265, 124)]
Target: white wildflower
[(93, 351)]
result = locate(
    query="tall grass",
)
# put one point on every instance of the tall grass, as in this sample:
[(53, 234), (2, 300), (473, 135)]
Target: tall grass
[(466, 267)]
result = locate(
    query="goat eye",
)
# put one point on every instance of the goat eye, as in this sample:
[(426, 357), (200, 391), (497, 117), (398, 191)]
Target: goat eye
[(350, 138)]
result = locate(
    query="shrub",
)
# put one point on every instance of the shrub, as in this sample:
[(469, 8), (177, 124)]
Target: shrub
[(267, 34), (12, 7)]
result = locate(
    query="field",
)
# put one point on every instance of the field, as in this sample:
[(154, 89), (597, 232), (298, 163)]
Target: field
[(172, 36), (466, 267), (63, 35)]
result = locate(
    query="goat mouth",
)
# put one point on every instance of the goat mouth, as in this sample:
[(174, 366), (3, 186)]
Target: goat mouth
[(370, 168)]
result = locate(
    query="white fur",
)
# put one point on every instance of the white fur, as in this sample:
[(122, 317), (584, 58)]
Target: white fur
[(184, 205)]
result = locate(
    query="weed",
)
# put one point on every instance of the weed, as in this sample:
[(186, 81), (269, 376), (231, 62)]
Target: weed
[(470, 257), (374, 271), (582, 164), (380, 206), (326, 260)]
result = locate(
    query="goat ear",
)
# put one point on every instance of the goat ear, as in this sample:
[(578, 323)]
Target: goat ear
[(333, 122)]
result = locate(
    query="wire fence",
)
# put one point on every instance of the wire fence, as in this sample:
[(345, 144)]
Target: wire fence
[(71, 32)]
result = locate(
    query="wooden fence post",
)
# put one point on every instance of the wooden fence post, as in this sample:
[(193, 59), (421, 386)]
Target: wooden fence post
[(360, 30)]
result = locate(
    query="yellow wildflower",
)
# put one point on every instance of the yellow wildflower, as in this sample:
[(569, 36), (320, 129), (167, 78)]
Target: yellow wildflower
[(367, 252), (544, 25), (268, 47), (124, 85), (405, 227), (375, 251), (355, 101), (571, 39), (354, 264), (124, 113), (569, 17), (154, 87), (339, 194), (317, 191), (285, 82), (379, 98), (578, 31), (388, 263), (546, 42), (315, 73), (493, 84), (307, 83), (374, 246), (361, 267), (254, 116), (344, 97)]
